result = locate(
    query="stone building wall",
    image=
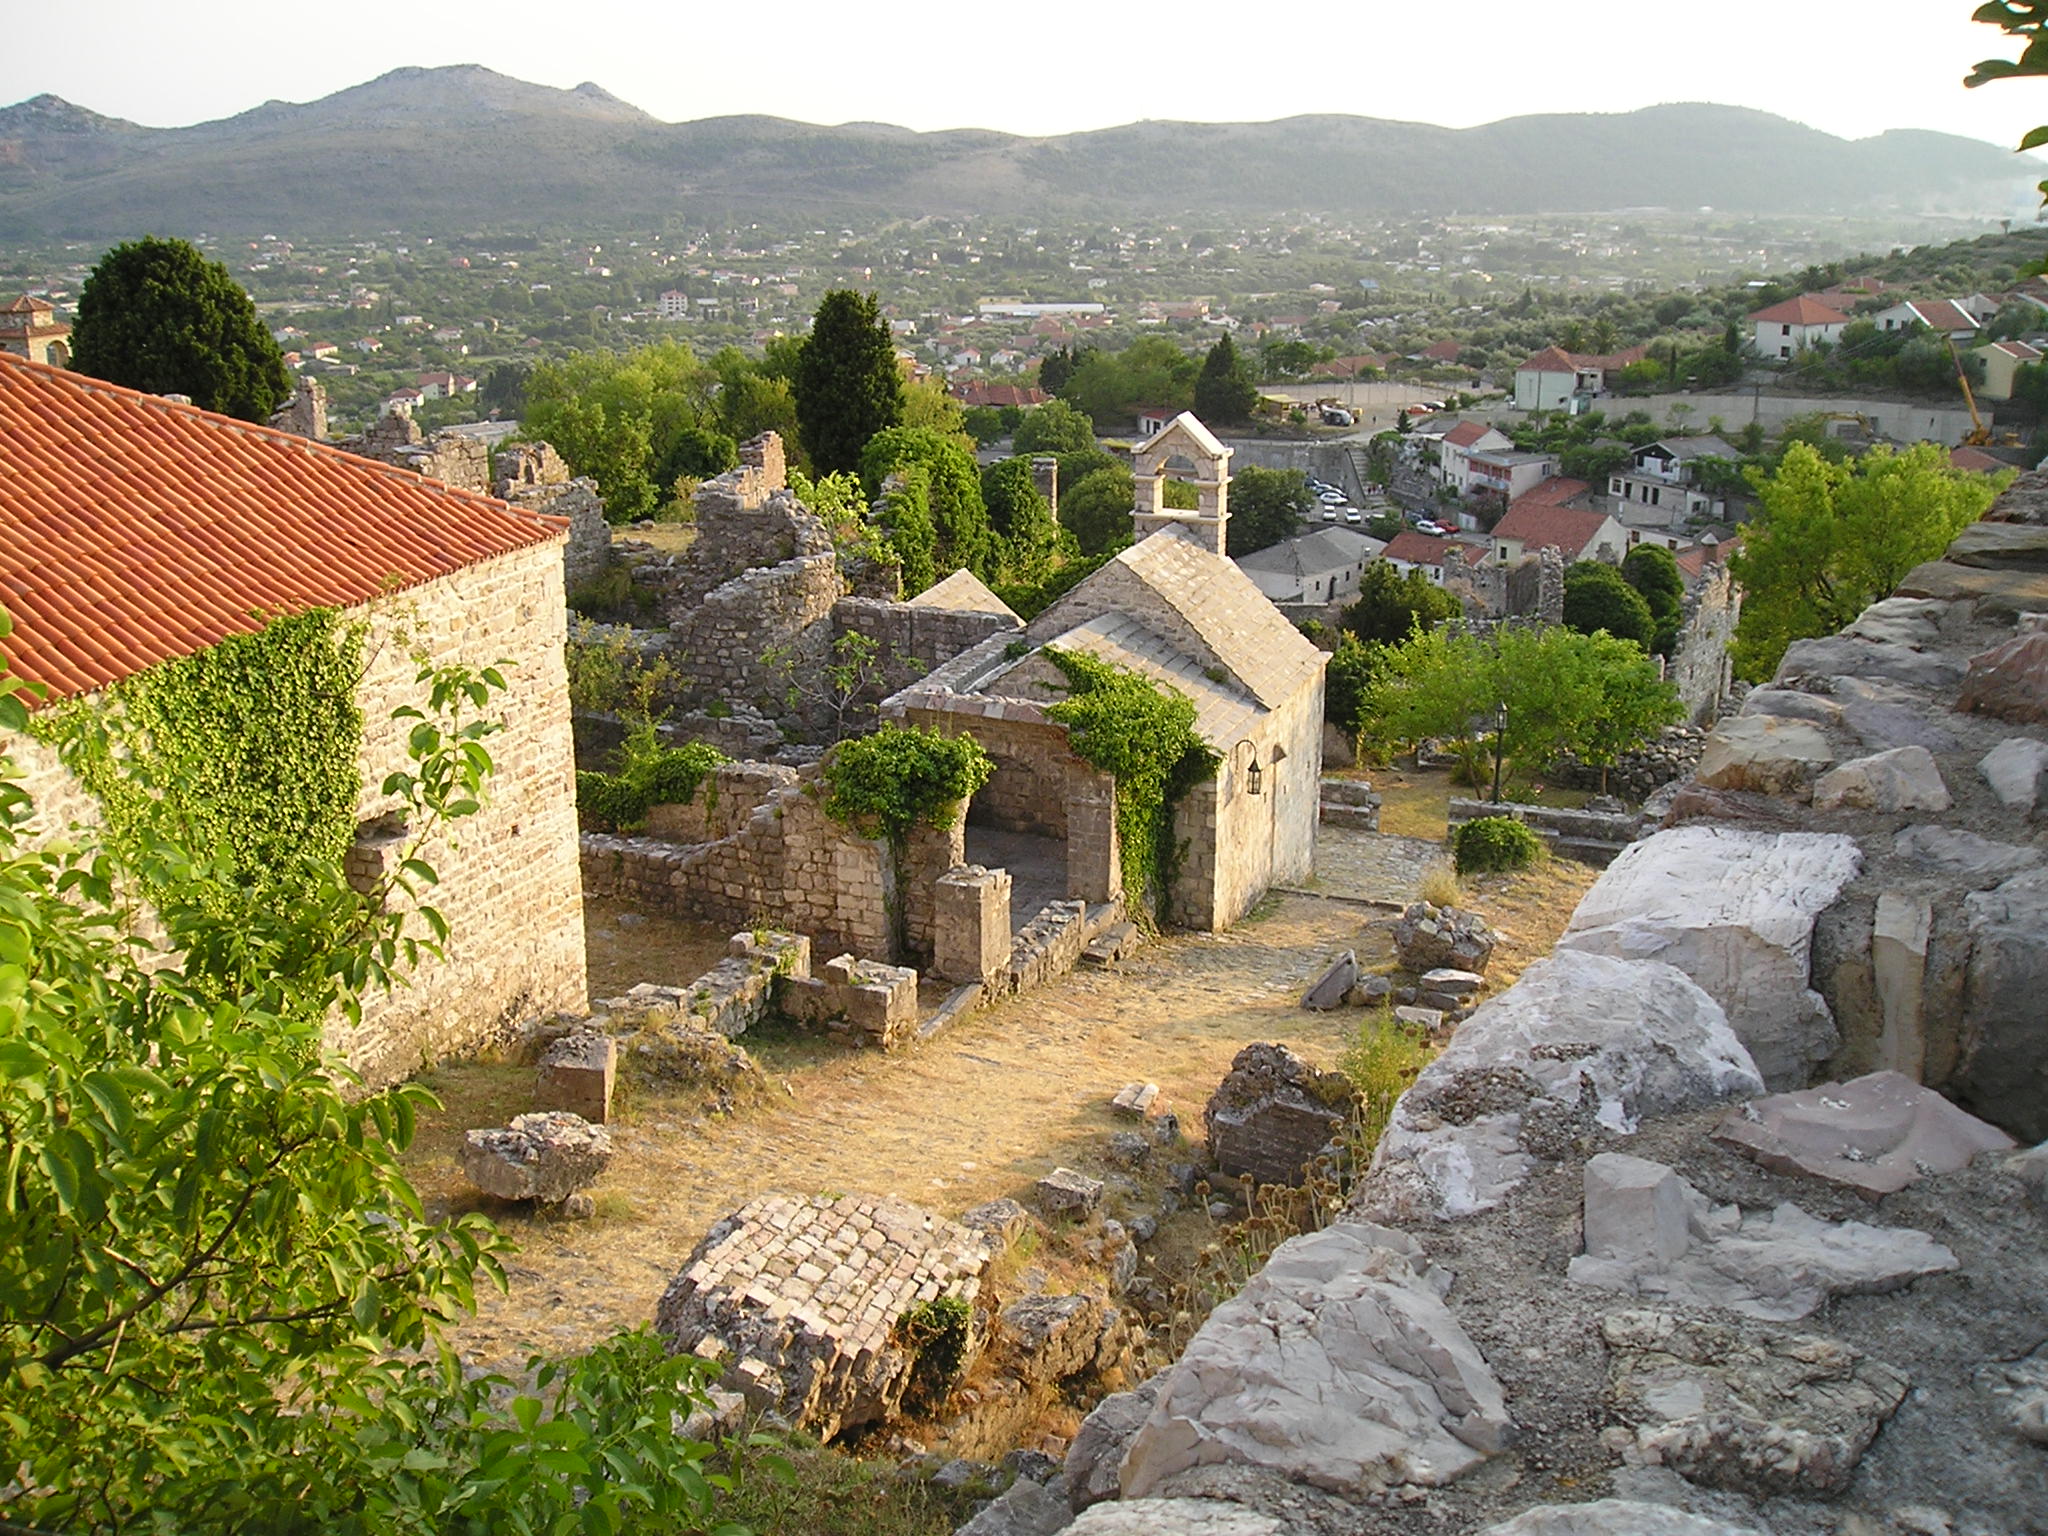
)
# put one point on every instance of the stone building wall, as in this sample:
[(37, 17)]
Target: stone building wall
[(510, 884), (588, 554), (509, 881), (1700, 665), (747, 639), (1239, 844), (454, 458), (911, 640)]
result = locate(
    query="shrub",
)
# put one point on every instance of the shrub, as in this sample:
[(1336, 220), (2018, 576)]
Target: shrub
[(1491, 844), (650, 775), (940, 1334), (1381, 1063)]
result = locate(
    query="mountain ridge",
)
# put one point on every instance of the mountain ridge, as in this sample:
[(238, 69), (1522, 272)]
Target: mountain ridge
[(462, 146)]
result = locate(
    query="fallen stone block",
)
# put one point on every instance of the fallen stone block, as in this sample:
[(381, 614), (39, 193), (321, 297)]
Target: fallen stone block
[(801, 1300), (1134, 1101), (1112, 944), (1025, 1508), (1337, 1366), (1327, 990), (1429, 1020), (1903, 779), (1064, 1190), (2004, 1025), (576, 1074), (1765, 754), (1615, 1517), (1429, 938), (2009, 681), (1098, 1446), (2015, 769), (1370, 992), (1756, 1412), (1914, 622), (1176, 1517), (1734, 909), (1581, 1043), (1456, 983), (1056, 1337), (1635, 1210), (1953, 851), (1273, 1113), (1001, 1222), (1846, 656), (547, 1157), (1777, 1265), (1874, 1134)]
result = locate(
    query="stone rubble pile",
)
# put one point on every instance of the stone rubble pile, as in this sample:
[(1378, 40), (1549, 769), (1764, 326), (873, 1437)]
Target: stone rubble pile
[(1273, 1113), (548, 1156)]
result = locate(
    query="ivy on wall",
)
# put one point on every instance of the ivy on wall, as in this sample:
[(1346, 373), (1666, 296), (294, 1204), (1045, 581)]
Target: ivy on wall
[(1142, 736), (248, 751)]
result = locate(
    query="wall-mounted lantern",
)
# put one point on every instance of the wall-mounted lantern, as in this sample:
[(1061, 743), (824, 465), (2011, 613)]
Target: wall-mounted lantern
[(1254, 775)]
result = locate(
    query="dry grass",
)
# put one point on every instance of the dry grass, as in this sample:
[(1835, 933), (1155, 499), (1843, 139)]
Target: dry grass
[(1439, 884), (667, 538), (1414, 802), (1528, 909)]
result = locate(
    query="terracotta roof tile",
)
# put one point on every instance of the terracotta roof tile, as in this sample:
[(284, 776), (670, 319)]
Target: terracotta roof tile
[(134, 530), (1549, 526), (1413, 548), (1804, 309)]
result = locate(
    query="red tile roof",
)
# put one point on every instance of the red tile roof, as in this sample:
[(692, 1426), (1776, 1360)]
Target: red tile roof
[(1415, 548), (1976, 461), (1442, 351), (1548, 526), (1466, 433), (1693, 559), (1000, 394), (1806, 309), (1550, 360), (134, 530), (1943, 315), (1554, 492)]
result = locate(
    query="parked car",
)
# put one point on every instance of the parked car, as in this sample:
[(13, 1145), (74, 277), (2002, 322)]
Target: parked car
[(1330, 514), (1353, 516), (1330, 498)]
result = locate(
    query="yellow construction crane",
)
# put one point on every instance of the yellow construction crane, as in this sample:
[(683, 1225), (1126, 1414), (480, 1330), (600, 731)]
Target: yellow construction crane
[(1979, 435)]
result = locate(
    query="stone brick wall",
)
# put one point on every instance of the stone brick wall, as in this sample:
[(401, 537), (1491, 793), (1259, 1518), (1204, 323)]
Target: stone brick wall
[(452, 457), (1700, 665), (588, 553), (722, 642), (510, 887), (1239, 843), (912, 641), (509, 882)]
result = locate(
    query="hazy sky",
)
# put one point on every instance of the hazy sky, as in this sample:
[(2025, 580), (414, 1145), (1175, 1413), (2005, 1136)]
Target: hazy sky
[(1053, 66)]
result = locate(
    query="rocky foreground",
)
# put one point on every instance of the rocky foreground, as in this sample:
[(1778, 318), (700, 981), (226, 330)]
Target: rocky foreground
[(1617, 1268)]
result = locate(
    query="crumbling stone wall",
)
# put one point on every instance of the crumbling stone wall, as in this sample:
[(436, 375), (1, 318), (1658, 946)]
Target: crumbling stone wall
[(746, 640), (452, 457), (305, 414), (1535, 588), (910, 640), (1701, 668)]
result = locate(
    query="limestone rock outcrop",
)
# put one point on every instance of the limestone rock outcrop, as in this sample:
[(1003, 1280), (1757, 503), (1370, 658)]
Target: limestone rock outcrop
[(1766, 754), (1875, 1134), (2004, 1070), (1337, 1366), (1903, 779), (1615, 1517), (547, 1157), (1176, 1517), (1581, 1041), (1734, 910), (1650, 1233)]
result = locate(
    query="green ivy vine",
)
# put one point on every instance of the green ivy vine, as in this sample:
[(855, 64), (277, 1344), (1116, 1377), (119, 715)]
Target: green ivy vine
[(1142, 736), (249, 750), (650, 774)]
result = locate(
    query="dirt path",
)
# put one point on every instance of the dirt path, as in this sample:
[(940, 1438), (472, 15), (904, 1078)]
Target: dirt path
[(981, 1111)]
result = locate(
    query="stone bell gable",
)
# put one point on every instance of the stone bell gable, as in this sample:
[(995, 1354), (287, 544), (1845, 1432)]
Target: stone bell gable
[(1186, 445)]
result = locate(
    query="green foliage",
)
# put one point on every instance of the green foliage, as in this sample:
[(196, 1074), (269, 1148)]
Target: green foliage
[(962, 539), (2027, 21), (939, 1334), (1346, 682), (847, 387), (220, 1300), (611, 598), (1143, 737), (1531, 694), (1392, 604), (631, 421), (1225, 391), (1382, 1060), (698, 453), (1054, 427), (1828, 540), (650, 774), (903, 511), (984, 423), (1653, 571), (1029, 541), (245, 751), (1029, 599), (1598, 597), (902, 777), (1059, 365), (1494, 845), (1266, 506), (1097, 510), (1110, 386), (156, 315)]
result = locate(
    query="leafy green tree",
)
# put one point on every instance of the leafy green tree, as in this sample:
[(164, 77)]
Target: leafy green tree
[(1653, 571), (2027, 21), (903, 511), (847, 385), (221, 1303), (1057, 367), (1097, 509), (754, 396), (984, 423), (502, 390), (699, 453), (1109, 386), (1597, 597), (1266, 506), (963, 539), (1054, 427), (1829, 539), (156, 315), (1391, 604), (1029, 539), (1528, 695), (1346, 682), (620, 417), (1225, 391)]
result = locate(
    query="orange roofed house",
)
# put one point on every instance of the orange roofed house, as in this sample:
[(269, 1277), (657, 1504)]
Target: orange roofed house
[(134, 531)]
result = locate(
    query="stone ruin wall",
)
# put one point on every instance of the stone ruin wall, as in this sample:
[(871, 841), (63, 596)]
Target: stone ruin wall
[(911, 641), (452, 457), (1701, 667), (533, 475)]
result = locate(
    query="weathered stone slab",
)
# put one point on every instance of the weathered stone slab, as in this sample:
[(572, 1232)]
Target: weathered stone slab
[(1900, 930), (1791, 704), (1327, 990), (2015, 769), (1273, 1112), (1134, 1100), (1996, 594), (1759, 1413), (1176, 1517), (1765, 754), (1098, 1446), (2004, 1072), (1000, 1222), (1581, 1042), (547, 1157), (1635, 1210), (1733, 909), (1903, 779), (1429, 1020), (1956, 852), (1844, 656), (1456, 983), (1025, 1508), (1875, 1134), (1914, 622), (1336, 1366), (2009, 681), (2001, 546), (1056, 1337), (1777, 1265), (1065, 1190), (1615, 1517), (800, 1299)]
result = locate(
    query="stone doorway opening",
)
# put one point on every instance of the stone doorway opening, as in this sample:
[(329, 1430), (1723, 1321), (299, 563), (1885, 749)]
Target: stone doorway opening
[(1037, 866)]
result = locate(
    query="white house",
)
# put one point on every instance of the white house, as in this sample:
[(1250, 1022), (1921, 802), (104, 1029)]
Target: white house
[(1659, 484), (1412, 551), (1945, 317), (675, 304), (1528, 527), (1796, 324), (1457, 445), (1319, 567), (1507, 473), (1557, 380)]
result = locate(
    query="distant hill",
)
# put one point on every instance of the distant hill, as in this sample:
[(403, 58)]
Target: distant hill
[(466, 148)]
